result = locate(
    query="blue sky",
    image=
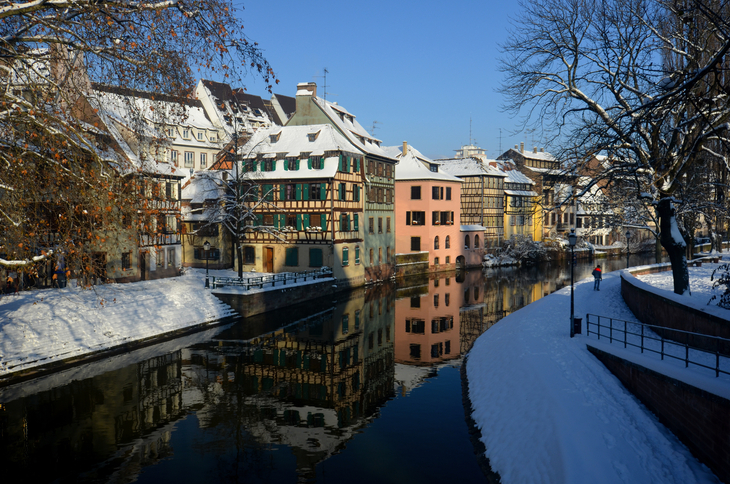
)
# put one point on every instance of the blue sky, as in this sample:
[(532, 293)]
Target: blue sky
[(421, 69)]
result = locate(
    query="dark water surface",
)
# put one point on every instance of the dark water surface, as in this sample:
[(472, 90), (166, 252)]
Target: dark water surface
[(360, 388)]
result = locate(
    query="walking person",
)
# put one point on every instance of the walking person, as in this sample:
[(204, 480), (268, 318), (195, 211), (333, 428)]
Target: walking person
[(597, 277)]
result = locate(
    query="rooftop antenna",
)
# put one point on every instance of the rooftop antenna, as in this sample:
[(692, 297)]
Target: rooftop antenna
[(500, 141), (470, 141), (372, 130), (324, 88)]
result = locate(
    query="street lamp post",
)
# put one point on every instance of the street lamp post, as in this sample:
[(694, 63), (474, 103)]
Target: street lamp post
[(572, 238), (628, 234), (206, 246)]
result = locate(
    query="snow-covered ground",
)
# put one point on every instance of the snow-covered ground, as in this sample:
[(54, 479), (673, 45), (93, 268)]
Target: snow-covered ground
[(550, 412), (42, 326)]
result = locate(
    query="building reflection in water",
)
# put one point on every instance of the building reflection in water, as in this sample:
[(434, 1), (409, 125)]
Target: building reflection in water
[(306, 379)]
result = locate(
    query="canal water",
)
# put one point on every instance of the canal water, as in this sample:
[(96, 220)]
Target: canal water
[(359, 388)]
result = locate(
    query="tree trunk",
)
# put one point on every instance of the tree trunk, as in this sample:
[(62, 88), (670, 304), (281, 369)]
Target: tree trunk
[(674, 244), (239, 255)]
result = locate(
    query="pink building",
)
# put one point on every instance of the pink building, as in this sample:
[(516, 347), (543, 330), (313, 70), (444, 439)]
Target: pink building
[(427, 225)]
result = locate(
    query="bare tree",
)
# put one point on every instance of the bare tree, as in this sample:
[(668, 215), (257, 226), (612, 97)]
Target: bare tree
[(640, 80), (60, 183)]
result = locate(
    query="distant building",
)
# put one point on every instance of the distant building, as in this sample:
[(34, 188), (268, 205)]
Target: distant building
[(482, 196)]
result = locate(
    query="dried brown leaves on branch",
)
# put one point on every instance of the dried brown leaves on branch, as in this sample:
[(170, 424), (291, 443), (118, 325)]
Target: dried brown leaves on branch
[(62, 183)]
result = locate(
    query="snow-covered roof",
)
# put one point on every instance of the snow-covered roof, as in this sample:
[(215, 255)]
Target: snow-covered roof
[(296, 141), (413, 166), (520, 193), (468, 167), (472, 228), (348, 125), (202, 186)]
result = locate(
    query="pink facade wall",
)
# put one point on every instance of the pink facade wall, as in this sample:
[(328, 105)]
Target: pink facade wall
[(428, 232)]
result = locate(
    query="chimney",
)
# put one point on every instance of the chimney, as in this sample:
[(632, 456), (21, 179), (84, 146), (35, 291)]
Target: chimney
[(534, 149), (493, 164), (522, 147), (405, 148), (302, 87), (542, 150)]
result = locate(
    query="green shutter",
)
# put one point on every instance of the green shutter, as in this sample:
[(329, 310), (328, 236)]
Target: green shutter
[(323, 219), (355, 221), (282, 192), (259, 219), (298, 191), (305, 192), (357, 255), (305, 220), (344, 256), (299, 221), (297, 164), (286, 164), (309, 163), (357, 165), (340, 164), (255, 165), (323, 191)]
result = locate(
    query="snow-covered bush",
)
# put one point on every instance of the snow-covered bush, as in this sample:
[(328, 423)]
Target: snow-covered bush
[(525, 249), (723, 283)]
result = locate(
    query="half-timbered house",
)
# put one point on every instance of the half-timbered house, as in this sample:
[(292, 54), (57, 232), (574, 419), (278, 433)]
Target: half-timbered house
[(311, 183), (482, 196), (377, 174), (522, 208)]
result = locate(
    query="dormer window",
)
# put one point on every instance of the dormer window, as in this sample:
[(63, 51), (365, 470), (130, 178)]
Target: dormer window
[(434, 167), (200, 136), (186, 133), (312, 136), (273, 138), (213, 137), (170, 132)]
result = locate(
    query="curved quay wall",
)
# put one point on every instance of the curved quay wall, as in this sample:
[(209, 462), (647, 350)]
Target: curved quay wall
[(651, 308), (700, 419)]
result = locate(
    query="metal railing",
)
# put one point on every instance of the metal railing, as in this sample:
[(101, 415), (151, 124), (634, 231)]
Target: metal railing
[(273, 279), (644, 337)]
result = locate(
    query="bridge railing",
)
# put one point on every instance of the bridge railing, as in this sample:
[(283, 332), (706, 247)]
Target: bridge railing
[(271, 279)]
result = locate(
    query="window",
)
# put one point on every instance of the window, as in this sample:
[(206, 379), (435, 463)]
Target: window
[(126, 260), (415, 351), (355, 193), (380, 225), (186, 133), (387, 224), (371, 256), (415, 193), (170, 224), (345, 255), (476, 241), (292, 256), (448, 259), (467, 242), (315, 258), (436, 261), (415, 218), (447, 243), (200, 136), (436, 242), (317, 191), (203, 160), (448, 193), (437, 193), (249, 255), (173, 157), (387, 254), (357, 254), (345, 323), (344, 222), (416, 243), (316, 162), (171, 257), (291, 164), (341, 192), (267, 165), (371, 225), (160, 259), (290, 191), (380, 255), (170, 132), (435, 300), (189, 159)]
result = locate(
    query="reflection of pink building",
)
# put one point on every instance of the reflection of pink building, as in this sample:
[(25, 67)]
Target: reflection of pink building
[(427, 214), (427, 325)]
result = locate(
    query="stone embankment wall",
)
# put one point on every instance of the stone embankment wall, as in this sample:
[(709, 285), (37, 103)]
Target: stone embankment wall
[(651, 308), (700, 419), (254, 303)]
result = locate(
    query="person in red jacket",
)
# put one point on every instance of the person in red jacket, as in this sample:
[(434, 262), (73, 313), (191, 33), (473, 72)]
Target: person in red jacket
[(597, 278)]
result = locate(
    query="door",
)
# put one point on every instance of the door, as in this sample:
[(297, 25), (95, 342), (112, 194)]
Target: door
[(269, 259)]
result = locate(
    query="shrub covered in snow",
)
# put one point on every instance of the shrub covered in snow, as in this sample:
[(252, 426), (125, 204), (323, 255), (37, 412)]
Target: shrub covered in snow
[(525, 250), (723, 284)]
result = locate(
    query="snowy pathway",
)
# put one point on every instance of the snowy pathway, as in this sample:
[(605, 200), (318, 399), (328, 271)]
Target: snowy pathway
[(551, 412)]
